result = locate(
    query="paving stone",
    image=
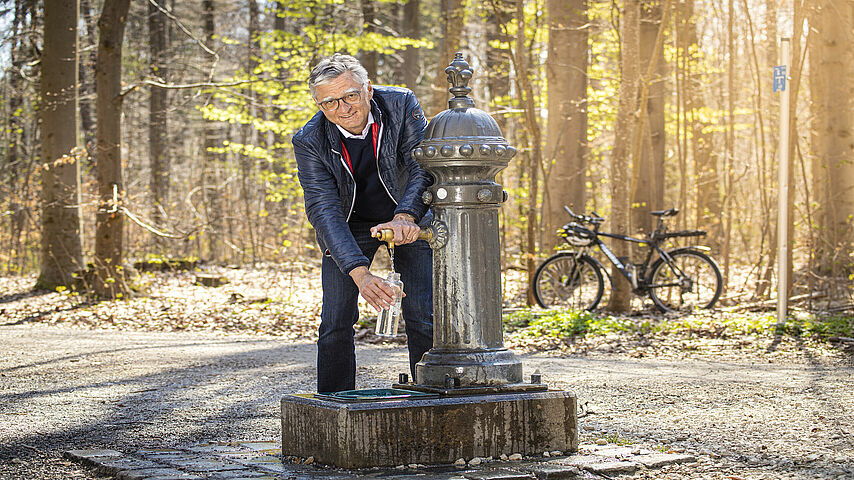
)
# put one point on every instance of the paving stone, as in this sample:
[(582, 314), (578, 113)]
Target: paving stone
[(500, 474), (613, 451), (114, 465), (262, 461), (265, 459), (146, 473), (417, 476), (658, 460), (235, 474), (610, 468), (252, 478), (321, 475), (167, 457), (259, 445), (87, 454), (547, 471), (150, 452), (267, 463), (184, 476), (215, 449), (243, 454), (578, 460), (203, 465)]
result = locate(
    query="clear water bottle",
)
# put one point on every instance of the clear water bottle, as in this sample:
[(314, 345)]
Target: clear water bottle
[(388, 320)]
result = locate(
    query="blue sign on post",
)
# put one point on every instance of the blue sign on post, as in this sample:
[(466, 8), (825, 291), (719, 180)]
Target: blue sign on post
[(779, 78)]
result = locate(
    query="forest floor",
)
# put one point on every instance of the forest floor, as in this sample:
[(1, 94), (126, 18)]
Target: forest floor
[(181, 363), (284, 301)]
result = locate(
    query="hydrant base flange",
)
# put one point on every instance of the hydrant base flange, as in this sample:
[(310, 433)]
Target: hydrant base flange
[(474, 368), (474, 390)]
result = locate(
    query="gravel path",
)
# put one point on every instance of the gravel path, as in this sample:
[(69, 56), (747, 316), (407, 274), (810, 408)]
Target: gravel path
[(62, 388)]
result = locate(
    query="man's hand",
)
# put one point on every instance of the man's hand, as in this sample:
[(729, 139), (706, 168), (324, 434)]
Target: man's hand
[(404, 227), (378, 294)]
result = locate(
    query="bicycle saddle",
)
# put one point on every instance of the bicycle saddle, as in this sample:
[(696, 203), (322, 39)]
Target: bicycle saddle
[(665, 213)]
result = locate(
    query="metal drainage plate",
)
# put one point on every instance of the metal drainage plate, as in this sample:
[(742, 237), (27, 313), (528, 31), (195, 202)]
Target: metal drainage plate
[(375, 395)]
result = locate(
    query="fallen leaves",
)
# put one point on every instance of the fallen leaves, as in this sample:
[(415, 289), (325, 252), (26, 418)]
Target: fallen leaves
[(281, 300)]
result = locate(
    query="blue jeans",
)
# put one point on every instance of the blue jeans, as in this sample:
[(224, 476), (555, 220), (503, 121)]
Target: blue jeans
[(336, 350)]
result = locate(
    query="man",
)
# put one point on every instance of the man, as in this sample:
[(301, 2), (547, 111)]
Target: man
[(357, 175)]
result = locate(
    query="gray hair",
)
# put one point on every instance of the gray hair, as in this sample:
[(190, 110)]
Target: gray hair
[(332, 67)]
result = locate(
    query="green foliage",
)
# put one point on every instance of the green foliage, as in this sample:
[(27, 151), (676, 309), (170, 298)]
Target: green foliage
[(820, 326), (568, 323), (708, 325), (273, 98), (564, 323), (616, 439), (802, 325)]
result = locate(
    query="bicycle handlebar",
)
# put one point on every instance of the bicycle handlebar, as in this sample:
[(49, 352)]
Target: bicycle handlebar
[(594, 219)]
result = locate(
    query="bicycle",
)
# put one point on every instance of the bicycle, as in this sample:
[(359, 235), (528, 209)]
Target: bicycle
[(680, 280)]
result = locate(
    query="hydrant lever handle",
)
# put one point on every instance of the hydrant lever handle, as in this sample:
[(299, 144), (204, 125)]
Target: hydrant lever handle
[(387, 235)]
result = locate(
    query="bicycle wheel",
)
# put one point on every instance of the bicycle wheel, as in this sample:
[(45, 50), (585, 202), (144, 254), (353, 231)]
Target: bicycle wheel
[(562, 282), (693, 280)]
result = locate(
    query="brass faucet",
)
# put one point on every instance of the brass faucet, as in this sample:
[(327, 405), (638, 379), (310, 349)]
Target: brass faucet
[(387, 235)]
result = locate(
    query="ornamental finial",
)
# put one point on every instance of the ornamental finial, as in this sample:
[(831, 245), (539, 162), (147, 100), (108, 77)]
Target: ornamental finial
[(459, 73)]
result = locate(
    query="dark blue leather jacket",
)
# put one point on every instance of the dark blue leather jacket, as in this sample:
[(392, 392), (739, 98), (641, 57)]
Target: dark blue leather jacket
[(329, 188)]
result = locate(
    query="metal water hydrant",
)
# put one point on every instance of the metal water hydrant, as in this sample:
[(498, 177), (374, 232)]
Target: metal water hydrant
[(464, 149)]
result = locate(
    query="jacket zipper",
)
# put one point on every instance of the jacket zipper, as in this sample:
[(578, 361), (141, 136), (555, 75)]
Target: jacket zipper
[(379, 142), (353, 202)]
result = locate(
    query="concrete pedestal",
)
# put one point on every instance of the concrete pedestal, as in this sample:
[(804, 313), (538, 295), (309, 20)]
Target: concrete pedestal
[(432, 431)]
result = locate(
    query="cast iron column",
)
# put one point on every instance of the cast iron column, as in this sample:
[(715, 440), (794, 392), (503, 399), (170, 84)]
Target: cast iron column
[(463, 149)]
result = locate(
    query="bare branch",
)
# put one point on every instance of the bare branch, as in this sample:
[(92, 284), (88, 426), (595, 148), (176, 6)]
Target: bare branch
[(189, 34)]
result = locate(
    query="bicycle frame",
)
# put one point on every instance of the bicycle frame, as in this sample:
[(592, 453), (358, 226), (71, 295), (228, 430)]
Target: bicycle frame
[(664, 265), (637, 277)]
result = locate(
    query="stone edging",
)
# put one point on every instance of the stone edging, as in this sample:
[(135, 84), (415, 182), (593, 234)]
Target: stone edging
[(263, 460)]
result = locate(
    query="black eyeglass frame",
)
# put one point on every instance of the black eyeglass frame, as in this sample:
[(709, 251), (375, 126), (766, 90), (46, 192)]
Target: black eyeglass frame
[(358, 95)]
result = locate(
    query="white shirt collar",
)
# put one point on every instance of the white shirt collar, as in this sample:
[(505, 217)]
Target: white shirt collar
[(364, 132)]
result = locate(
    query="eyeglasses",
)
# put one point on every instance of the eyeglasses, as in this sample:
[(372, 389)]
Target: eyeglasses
[(350, 98)]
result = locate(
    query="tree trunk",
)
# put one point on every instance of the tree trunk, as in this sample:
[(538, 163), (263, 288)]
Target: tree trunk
[(833, 127), (87, 80), (370, 58), (730, 143), (498, 60), (680, 80), (452, 14), (109, 275), (210, 170), (620, 300), (279, 18), (62, 252), (250, 134), (770, 103), (566, 74), (14, 139), (648, 194), (795, 85), (498, 90), (707, 194), (411, 56), (535, 157), (158, 151)]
